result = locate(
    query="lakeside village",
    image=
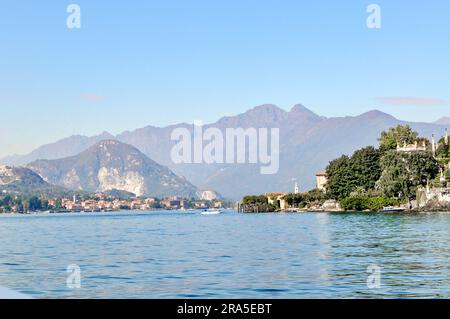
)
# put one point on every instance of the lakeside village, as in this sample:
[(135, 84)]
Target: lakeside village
[(101, 202), (406, 173)]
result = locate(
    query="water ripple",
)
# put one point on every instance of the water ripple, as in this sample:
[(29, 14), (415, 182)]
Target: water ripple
[(185, 255)]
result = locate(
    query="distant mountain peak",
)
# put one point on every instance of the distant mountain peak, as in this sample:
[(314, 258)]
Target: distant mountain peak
[(443, 121), (300, 109), (10, 175), (372, 114), (109, 142), (117, 149), (266, 109), (262, 115), (106, 135)]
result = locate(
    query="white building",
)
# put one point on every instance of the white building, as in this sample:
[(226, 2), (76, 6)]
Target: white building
[(412, 147)]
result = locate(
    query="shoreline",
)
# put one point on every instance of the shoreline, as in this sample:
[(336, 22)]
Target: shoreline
[(444, 209), (289, 211), (109, 211)]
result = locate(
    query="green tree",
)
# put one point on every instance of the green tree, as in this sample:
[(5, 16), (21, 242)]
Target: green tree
[(18, 202), (361, 171), (257, 204), (315, 196), (58, 203), (295, 200), (396, 135), (368, 203), (403, 172), (365, 167), (443, 150), (34, 204), (7, 200), (340, 179)]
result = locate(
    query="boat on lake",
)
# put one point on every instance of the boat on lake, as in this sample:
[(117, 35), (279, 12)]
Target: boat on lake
[(391, 209), (211, 212)]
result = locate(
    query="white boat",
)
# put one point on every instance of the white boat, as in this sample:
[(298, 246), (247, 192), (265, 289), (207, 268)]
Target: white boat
[(211, 212), (391, 209)]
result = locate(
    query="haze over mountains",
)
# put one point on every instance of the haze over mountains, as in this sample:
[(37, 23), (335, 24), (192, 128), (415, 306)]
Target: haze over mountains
[(307, 143)]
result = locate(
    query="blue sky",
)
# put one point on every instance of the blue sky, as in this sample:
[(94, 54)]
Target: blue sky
[(138, 63)]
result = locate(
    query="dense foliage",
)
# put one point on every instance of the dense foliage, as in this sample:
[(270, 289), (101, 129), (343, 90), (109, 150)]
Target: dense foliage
[(367, 203), (22, 204), (257, 204), (404, 172), (308, 199), (443, 151), (346, 174), (373, 178)]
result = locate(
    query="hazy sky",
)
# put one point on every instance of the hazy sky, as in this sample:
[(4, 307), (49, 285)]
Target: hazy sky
[(138, 63)]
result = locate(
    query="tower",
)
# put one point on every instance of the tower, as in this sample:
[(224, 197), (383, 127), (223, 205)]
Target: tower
[(433, 145), (446, 137), (296, 189)]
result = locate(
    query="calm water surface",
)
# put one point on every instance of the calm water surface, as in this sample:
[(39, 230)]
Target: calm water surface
[(187, 255)]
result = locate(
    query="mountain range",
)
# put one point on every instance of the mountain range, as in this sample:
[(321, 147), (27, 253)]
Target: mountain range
[(113, 165), (307, 143)]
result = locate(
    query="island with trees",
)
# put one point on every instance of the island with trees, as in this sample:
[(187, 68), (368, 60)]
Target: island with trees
[(405, 171)]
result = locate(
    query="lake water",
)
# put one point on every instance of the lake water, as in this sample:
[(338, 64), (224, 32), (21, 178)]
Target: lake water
[(187, 255)]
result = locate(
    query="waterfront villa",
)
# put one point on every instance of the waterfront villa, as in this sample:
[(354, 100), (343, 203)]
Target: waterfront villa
[(412, 147)]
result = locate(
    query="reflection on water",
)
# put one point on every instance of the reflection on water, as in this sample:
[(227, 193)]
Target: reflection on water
[(187, 255)]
